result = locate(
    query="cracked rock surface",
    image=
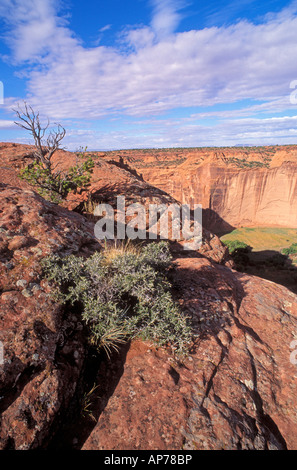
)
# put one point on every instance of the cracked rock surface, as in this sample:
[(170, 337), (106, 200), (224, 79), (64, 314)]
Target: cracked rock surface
[(40, 369), (237, 390)]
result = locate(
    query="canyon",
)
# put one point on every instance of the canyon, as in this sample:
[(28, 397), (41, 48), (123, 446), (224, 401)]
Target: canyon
[(237, 387), (237, 187)]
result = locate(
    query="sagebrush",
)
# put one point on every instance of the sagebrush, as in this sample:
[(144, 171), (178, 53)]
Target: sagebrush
[(123, 295)]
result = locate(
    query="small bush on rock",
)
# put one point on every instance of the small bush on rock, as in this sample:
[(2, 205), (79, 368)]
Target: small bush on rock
[(292, 250), (123, 296), (51, 183), (239, 252), (56, 185)]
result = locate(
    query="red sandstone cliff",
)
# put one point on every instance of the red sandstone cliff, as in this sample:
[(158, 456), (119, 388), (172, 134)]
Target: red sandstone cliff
[(236, 187), (235, 391)]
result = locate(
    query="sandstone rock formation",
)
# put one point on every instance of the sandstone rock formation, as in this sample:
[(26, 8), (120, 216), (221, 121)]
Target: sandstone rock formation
[(236, 390), (107, 182), (43, 347), (236, 187)]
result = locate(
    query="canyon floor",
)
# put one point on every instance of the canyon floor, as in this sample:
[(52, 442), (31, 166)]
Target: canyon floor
[(237, 387), (266, 258)]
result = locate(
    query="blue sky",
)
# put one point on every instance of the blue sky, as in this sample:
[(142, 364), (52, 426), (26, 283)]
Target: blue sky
[(152, 73)]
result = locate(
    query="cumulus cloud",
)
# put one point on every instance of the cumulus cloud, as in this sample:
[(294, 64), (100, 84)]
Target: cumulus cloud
[(35, 29), (195, 68), (166, 16), (6, 124), (163, 71)]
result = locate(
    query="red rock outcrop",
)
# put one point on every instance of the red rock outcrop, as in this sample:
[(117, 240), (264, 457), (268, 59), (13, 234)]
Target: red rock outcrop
[(108, 181), (235, 391), (43, 348)]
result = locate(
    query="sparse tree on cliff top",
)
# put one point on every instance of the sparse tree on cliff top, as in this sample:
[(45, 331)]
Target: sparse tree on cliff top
[(45, 146), (51, 182)]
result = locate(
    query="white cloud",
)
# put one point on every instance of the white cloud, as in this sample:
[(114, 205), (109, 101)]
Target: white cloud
[(178, 133), (196, 68), (5, 124), (166, 17), (36, 33), (163, 70), (139, 38), (226, 133), (105, 28)]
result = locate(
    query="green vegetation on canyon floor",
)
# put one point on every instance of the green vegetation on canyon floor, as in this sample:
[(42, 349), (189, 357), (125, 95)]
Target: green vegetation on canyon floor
[(263, 238), (267, 252)]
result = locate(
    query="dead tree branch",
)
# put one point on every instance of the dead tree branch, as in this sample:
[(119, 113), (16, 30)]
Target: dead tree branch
[(45, 146)]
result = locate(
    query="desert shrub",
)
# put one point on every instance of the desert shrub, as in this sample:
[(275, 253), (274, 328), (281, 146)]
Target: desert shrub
[(50, 182), (243, 163), (239, 252), (232, 245), (278, 260), (235, 245), (292, 250), (56, 185), (123, 294)]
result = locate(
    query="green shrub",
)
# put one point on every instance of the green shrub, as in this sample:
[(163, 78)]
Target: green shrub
[(292, 250), (56, 185), (235, 245), (51, 182), (239, 252), (123, 294)]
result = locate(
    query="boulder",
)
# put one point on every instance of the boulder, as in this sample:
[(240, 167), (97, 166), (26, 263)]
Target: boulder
[(236, 390), (42, 344)]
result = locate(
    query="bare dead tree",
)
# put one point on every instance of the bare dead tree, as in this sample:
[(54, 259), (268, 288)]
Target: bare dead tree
[(50, 181), (45, 145)]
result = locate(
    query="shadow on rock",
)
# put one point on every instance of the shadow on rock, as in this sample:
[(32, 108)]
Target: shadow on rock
[(270, 265), (97, 384)]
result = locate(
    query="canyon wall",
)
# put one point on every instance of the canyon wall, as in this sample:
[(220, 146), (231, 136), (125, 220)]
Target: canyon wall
[(236, 187), (254, 197), (235, 390)]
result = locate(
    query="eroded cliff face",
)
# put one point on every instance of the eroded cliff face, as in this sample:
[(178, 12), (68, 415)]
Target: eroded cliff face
[(236, 187), (253, 197), (236, 390), (261, 197)]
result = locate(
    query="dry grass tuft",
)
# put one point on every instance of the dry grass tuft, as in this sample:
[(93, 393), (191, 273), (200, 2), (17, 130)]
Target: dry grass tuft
[(118, 249)]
